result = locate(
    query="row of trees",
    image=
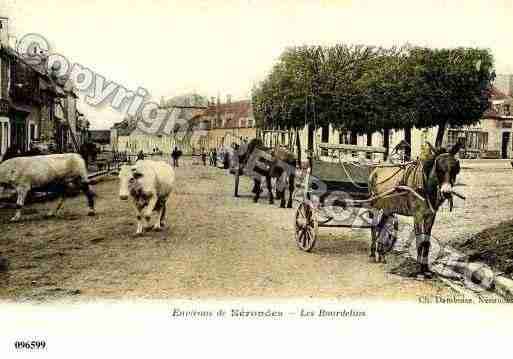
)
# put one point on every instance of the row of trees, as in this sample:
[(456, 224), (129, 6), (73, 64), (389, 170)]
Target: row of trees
[(364, 89)]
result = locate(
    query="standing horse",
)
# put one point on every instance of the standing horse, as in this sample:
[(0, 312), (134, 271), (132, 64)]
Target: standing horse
[(430, 182), (258, 161)]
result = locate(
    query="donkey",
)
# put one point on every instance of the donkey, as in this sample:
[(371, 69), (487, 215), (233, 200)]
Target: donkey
[(430, 182), (258, 161)]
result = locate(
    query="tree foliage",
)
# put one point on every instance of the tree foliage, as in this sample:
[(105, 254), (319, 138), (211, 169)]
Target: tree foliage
[(365, 89)]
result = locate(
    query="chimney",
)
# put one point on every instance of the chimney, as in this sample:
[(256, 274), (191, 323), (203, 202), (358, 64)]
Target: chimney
[(4, 31), (228, 99)]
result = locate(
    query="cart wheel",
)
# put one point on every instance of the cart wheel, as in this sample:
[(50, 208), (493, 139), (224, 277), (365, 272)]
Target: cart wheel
[(306, 226)]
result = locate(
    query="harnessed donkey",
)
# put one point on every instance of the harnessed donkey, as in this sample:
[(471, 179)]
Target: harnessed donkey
[(424, 185)]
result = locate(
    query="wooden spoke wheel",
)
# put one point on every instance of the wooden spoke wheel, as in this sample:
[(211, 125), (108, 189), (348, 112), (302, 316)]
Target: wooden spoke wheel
[(306, 226)]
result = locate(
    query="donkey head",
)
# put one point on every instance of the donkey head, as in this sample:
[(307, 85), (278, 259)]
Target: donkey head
[(446, 167)]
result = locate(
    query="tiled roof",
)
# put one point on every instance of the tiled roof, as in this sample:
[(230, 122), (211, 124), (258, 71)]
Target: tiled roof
[(491, 114), (497, 95), (236, 109), (56, 86), (233, 112)]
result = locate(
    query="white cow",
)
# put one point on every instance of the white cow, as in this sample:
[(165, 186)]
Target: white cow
[(149, 183), (22, 174)]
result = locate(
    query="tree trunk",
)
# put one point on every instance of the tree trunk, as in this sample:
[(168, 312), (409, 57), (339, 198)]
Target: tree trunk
[(353, 138), (407, 138), (369, 143), (440, 134), (298, 146), (386, 141)]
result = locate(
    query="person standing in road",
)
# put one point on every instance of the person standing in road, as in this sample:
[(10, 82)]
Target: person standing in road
[(204, 156), (214, 157), (175, 155)]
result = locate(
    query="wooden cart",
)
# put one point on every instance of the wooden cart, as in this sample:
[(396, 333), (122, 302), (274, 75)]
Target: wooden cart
[(335, 191)]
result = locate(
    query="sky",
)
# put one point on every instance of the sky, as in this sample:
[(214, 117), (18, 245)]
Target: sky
[(227, 46)]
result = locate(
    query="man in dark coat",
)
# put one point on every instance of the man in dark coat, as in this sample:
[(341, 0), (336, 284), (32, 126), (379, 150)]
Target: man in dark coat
[(204, 157), (214, 157), (175, 155)]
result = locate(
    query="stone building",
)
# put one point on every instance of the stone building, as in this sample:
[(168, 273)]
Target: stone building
[(175, 118), (491, 137), (35, 107), (223, 124)]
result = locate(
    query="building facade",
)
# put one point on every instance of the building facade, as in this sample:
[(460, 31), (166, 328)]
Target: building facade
[(35, 108), (218, 124), (491, 137), (125, 136), (223, 124)]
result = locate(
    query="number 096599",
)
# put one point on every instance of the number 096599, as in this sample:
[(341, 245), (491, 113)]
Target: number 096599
[(30, 345)]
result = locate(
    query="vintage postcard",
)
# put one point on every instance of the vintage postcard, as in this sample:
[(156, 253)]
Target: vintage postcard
[(255, 177)]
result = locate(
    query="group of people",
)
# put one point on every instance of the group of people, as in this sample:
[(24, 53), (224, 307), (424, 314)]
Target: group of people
[(212, 156), (175, 155)]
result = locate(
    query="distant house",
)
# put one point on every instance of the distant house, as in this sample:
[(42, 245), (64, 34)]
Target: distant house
[(36, 106), (175, 130), (223, 124), (491, 137)]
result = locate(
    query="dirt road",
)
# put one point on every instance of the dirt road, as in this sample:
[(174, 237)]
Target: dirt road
[(216, 246)]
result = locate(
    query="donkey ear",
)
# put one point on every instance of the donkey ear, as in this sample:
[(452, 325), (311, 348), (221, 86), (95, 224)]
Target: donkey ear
[(454, 149)]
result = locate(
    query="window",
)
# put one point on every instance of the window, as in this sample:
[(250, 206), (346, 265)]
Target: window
[(472, 140), (1, 77), (4, 134), (2, 138), (32, 131)]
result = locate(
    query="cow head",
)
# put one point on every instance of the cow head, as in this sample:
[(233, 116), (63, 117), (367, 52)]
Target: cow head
[(128, 177)]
